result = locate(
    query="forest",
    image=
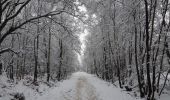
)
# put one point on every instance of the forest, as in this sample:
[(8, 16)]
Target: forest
[(122, 42)]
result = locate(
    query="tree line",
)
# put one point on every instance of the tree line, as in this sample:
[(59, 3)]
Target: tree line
[(129, 43), (37, 38)]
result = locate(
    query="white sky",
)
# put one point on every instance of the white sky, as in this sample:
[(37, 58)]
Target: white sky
[(82, 36), (82, 8)]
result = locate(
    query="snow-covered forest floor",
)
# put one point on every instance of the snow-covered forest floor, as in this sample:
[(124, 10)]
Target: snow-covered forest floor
[(25, 88), (80, 86), (83, 86)]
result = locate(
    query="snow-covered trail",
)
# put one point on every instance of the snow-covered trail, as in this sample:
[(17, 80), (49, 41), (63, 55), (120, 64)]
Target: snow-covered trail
[(83, 86), (84, 90)]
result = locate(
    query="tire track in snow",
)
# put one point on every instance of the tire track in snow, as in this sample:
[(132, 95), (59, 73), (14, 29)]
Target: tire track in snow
[(84, 90)]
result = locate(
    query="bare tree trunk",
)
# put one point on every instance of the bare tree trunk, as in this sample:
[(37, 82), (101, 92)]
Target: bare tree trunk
[(147, 50), (94, 63), (1, 66), (61, 59), (136, 60), (49, 53), (0, 19), (0, 36), (24, 57), (151, 37), (36, 45), (118, 72), (12, 62), (36, 58)]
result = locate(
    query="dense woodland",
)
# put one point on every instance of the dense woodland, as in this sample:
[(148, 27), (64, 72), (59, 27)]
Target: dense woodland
[(127, 41), (37, 38)]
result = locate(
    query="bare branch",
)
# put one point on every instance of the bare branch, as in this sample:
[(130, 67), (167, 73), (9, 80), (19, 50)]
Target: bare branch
[(13, 16), (7, 50), (12, 29)]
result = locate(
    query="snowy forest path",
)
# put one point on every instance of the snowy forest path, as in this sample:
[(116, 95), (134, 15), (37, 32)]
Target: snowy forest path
[(83, 86), (84, 90)]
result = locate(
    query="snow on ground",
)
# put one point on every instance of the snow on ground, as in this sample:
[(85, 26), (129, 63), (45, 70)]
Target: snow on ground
[(8, 89), (83, 86), (80, 86)]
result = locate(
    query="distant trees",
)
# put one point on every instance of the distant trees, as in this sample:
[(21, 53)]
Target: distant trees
[(130, 40)]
